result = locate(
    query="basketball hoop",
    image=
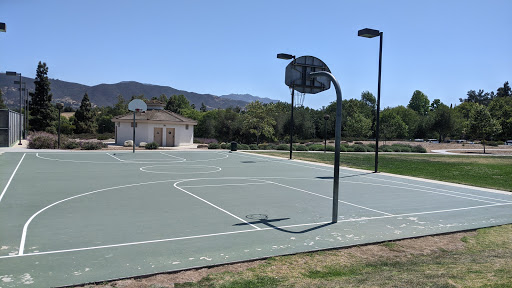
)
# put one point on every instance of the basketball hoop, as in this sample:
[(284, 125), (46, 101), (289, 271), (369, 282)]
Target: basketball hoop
[(138, 110)]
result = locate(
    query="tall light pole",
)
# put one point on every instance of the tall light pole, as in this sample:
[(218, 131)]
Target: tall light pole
[(11, 73), (285, 56), (59, 107), (326, 117), (370, 33)]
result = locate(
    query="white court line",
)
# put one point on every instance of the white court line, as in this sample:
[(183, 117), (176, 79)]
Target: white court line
[(348, 203), (213, 205), (25, 227), (115, 157), (221, 185), (12, 176), (245, 231), (387, 180), (183, 159)]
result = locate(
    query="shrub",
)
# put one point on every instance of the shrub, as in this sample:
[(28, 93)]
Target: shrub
[(370, 148), (371, 145), (316, 147), (205, 140), (105, 136), (419, 149), (253, 147), (151, 146), (359, 148), (42, 140), (92, 145), (301, 148), (225, 146), (263, 146), (492, 143), (343, 148), (385, 148), (70, 144), (213, 146), (282, 147), (243, 147)]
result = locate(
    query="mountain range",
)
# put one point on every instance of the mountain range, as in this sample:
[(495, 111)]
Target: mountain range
[(106, 94)]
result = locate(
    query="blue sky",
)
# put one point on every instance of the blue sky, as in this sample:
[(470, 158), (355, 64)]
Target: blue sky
[(443, 48)]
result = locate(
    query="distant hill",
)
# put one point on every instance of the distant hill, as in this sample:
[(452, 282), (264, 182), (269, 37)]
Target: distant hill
[(106, 94), (249, 98)]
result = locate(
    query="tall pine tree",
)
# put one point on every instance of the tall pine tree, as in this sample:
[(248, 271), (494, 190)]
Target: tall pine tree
[(42, 112), (84, 117)]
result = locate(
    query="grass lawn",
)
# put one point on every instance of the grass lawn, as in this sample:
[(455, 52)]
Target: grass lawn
[(482, 171), (469, 259)]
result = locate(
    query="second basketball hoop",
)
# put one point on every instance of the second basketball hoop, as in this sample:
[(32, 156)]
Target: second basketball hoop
[(297, 75)]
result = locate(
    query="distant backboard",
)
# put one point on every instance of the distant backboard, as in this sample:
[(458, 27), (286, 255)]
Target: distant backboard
[(297, 75), (137, 105)]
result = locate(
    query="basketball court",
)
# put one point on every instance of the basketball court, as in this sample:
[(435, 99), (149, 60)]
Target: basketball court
[(80, 217)]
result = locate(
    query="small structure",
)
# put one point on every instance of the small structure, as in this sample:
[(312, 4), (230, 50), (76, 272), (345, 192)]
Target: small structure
[(164, 127)]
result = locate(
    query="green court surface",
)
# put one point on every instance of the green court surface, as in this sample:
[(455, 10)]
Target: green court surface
[(68, 218)]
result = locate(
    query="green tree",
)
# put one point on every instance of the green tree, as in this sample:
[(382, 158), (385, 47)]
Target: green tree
[(392, 127), (441, 120), (121, 107), (358, 126), (258, 122), (419, 102), (2, 104), (42, 112), (66, 126), (177, 103), (504, 91), (105, 124), (84, 117), (203, 107), (481, 125), (481, 97), (501, 110)]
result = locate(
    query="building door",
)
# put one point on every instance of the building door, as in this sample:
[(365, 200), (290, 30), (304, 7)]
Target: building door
[(169, 137), (157, 135)]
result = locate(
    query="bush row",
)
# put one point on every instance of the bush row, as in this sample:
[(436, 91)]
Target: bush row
[(43, 140), (357, 147)]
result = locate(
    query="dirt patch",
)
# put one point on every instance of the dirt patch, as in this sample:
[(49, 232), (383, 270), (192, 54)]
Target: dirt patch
[(396, 250)]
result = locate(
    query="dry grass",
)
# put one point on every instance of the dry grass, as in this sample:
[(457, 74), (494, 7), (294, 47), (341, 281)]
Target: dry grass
[(466, 259)]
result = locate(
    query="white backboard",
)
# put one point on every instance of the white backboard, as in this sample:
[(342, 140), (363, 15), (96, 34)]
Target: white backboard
[(137, 105)]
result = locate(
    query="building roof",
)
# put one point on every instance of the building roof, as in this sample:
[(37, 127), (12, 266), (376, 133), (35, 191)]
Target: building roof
[(155, 115)]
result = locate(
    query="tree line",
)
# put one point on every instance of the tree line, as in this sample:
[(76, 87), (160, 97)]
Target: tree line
[(479, 116)]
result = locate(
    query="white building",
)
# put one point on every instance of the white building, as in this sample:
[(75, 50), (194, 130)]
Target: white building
[(166, 128)]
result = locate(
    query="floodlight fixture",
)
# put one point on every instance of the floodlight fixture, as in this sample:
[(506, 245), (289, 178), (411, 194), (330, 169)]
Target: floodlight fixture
[(285, 56), (368, 33), (2, 27), (11, 73)]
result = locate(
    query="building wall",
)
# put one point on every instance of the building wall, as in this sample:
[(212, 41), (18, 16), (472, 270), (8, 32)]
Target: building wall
[(144, 133)]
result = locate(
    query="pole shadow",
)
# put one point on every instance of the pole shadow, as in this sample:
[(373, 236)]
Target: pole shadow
[(268, 223)]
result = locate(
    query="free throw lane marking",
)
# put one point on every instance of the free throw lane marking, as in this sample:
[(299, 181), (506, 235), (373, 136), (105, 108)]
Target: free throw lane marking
[(12, 176)]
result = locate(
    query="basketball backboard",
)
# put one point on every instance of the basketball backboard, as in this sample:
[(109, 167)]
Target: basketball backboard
[(297, 75), (137, 105)]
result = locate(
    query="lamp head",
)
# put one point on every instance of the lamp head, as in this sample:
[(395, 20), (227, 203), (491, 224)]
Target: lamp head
[(368, 33), (285, 56)]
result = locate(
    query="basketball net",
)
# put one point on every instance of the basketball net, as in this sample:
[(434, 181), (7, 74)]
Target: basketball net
[(299, 98)]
